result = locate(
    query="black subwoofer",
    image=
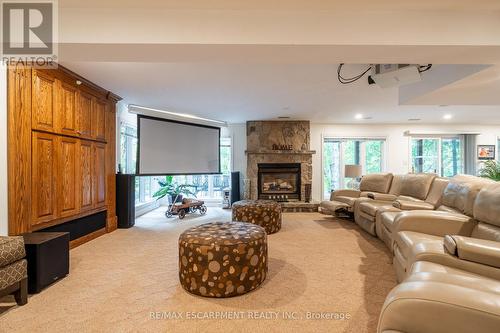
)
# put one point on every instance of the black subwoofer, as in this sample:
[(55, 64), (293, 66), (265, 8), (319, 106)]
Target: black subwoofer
[(235, 187), (48, 258)]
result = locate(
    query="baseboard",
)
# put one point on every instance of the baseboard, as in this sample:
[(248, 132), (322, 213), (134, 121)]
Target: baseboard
[(87, 238)]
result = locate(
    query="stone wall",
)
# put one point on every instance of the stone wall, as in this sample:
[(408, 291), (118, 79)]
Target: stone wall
[(264, 138)]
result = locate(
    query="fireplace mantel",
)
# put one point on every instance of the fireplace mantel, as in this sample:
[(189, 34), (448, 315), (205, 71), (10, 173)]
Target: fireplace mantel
[(264, 136), (281, 152)]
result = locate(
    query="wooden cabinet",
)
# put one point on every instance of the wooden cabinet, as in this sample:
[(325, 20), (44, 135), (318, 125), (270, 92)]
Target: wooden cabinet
[(99, 119), (67, 105), (99, 185), (68, 178), (84, 115), (61, 152), (43, 101), (86, 175), (44, 173)]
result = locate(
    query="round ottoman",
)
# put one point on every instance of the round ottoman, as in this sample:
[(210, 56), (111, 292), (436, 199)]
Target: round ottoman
[(222, 259), (266, 213)]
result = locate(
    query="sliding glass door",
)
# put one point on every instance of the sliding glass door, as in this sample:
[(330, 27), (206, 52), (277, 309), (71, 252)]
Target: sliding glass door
[(338, 152), (439, 155)]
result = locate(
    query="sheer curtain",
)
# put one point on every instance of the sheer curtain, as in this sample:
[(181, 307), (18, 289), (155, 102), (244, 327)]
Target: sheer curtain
[(470, 165)]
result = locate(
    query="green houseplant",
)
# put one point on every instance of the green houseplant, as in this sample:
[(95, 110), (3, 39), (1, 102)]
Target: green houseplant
[(174, 190), (491, 170)]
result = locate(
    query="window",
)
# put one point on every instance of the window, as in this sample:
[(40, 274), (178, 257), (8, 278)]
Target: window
[(337, 152), (128, 148), (440, 155), (498, 149)]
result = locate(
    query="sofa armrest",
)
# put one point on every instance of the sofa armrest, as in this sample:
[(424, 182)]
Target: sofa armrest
[(434, 223), (412, 205), (379, 196), (346, 193), (473, 249)]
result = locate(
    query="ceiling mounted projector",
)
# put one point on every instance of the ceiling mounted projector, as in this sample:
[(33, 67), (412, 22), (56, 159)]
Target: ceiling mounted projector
[(395, 75)]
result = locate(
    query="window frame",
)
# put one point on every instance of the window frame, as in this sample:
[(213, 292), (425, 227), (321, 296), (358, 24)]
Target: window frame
[(362, 153), (440, 139)]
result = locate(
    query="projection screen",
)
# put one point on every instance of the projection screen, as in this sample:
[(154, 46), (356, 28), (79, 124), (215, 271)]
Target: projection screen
[(168, 147)]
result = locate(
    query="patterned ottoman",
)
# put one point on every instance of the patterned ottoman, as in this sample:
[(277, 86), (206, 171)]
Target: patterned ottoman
[(222, 259), (266, 213)]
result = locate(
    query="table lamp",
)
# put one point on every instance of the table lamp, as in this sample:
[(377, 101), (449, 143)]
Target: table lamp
[(354, 172)]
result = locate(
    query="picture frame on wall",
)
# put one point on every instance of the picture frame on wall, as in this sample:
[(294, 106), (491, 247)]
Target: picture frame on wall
[(485, 152)]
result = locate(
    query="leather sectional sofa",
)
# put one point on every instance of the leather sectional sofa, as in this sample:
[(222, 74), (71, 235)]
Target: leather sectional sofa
[(445, 238)]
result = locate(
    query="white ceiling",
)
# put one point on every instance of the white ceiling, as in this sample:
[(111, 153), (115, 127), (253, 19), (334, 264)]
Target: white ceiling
[(241, 60), (239, 92)]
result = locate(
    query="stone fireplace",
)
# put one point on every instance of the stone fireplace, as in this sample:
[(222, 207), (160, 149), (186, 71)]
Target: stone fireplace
[(279, 159), (279, 181)]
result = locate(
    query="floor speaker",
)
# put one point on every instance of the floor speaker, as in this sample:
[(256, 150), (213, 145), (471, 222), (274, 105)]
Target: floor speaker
[(125, 200), (235, 187)]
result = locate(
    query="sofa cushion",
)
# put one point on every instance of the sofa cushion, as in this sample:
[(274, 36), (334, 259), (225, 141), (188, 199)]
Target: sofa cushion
[(13, 273), (436, 191), (487, 205), (407, 240), (416, 246), (377, 182), (461, 192), (486, 231), (397, 182), (417, 185), (371, 207), (347, 200), (11, 249)]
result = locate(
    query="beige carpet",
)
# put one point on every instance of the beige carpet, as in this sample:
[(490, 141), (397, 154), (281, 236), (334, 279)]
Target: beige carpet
[(317, 264)]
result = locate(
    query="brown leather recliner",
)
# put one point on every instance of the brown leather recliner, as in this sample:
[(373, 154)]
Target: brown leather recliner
[(470, 216), (411, 187), (343, 200)]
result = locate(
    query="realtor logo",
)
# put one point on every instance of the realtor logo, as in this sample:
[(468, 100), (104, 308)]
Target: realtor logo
[(28, 31)]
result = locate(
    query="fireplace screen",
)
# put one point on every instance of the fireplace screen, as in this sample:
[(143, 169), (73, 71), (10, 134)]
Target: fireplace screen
[(279, 181)]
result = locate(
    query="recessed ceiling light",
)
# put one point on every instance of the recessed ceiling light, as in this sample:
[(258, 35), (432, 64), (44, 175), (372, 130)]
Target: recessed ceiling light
[(358, 116), (447, 116)]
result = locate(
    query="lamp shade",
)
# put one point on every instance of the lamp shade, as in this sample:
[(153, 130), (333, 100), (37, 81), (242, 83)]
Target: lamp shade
[(353, 171)]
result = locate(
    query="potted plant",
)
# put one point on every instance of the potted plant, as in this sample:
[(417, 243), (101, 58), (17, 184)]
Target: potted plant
[(173, 190), (491, 170)]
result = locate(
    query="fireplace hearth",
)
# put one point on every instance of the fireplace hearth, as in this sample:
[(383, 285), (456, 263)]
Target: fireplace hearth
[(279, 181)]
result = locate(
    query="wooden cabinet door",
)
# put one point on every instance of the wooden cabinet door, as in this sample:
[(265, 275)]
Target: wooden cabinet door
[(84, 115), (99, 186), (99, 119), (43, 101), (68, 178), (67, 109), (44, 173), (86, 161)]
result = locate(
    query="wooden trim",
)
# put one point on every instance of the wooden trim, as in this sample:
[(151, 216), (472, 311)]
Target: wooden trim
[(19, 148), (105, 93), (87, 238)]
